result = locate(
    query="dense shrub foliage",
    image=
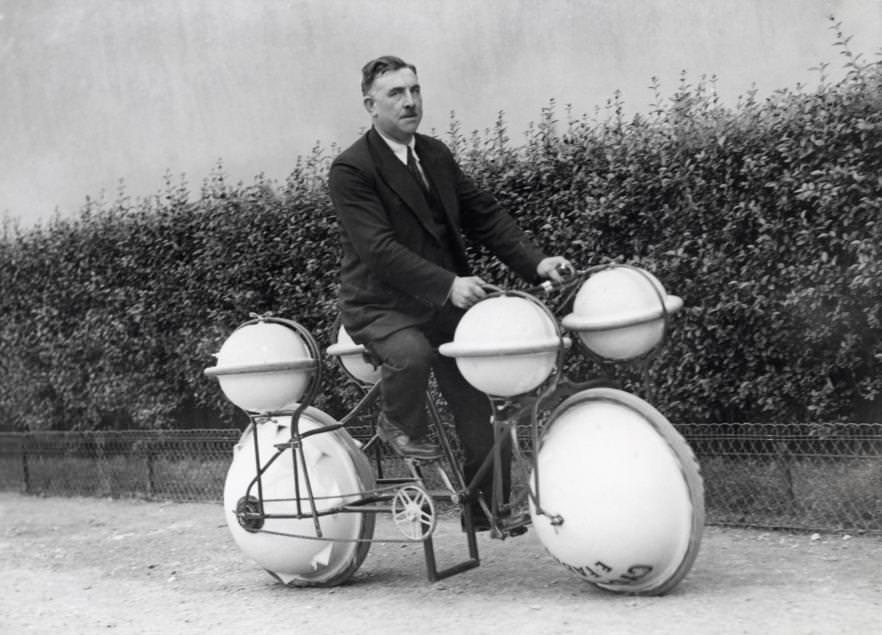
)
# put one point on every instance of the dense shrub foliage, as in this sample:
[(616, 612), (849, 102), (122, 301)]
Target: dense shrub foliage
[(763, 217), (110, 318)]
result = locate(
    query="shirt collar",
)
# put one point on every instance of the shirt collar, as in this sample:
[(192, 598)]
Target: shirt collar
[(398, 148)]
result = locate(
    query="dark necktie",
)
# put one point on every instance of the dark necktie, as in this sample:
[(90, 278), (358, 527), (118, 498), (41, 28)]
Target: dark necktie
[(414, 170)]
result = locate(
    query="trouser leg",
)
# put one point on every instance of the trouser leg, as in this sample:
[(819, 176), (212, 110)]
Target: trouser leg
[(406, 356)]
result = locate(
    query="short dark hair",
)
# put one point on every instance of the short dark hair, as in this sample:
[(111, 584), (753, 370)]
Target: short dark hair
[(379, 66)]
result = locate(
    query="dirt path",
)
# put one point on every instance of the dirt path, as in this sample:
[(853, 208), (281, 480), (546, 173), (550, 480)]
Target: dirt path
[(91, 565)]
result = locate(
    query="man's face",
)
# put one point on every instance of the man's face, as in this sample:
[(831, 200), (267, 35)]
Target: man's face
[(395, 104)]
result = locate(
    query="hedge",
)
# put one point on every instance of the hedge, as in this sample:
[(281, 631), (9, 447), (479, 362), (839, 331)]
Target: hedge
[(764, 217)]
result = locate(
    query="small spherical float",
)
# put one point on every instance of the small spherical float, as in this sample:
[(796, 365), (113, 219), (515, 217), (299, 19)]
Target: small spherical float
[(619, 494), (280, 533), (265, 365), (506, 345), (352, 359), (621, 312)]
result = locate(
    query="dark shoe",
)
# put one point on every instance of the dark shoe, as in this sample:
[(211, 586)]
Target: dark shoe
[(403, 444), (480, 523), (514, 532)]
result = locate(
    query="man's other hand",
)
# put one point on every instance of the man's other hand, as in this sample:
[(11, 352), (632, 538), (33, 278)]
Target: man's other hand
[(467, 291), (554, 268)]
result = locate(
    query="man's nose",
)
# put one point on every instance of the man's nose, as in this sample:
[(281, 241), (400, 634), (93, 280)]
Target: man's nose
[(409, 98)]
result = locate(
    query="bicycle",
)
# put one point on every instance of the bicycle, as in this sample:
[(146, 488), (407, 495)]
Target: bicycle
[(614, 492)]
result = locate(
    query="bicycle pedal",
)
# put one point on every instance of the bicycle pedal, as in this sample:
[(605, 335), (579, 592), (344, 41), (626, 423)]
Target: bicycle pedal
[(515, 526)]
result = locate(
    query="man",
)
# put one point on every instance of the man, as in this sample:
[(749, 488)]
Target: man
[(403, 205)]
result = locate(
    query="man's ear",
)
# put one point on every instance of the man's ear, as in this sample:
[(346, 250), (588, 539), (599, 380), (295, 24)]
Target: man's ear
[(369, 104)]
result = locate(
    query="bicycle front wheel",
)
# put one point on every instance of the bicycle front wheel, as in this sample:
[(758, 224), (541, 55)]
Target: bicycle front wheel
[(620, 493)]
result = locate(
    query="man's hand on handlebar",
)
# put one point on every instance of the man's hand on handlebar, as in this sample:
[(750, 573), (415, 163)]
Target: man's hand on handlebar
[(467, 291), (555, 268)]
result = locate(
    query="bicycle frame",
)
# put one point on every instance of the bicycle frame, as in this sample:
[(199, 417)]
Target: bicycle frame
[(407, 499)]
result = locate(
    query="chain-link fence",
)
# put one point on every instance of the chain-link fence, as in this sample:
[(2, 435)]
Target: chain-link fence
[(825, 477), (185, 465), (802, 476)]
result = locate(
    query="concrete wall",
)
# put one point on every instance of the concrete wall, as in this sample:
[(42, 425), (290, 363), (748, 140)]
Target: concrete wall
[(92, 91)]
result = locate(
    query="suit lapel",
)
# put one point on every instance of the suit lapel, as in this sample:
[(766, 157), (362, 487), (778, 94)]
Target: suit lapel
[(394, 172)]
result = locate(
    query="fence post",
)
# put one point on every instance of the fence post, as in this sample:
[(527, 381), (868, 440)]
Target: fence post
[(25, 469), (785, 460), (151, 483)]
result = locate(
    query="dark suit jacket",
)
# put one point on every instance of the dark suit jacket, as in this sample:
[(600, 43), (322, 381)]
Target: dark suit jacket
[(388, 281)]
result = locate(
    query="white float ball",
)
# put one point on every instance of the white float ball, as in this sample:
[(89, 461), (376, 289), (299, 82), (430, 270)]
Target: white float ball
[(261, 367), (619, 312), (505, 345), (351, 356)]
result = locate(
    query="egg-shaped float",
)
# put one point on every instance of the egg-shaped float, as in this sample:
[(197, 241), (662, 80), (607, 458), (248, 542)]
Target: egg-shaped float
[(621, 496), (287, 547), (506, 345), (352, 359), (264, 366), (620, 312)]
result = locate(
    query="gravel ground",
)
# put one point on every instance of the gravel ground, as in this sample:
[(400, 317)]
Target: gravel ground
[(82, 565)]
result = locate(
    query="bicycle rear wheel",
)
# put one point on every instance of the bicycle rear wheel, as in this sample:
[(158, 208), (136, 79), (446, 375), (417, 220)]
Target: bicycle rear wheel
[(289, 548), (621, 493)]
